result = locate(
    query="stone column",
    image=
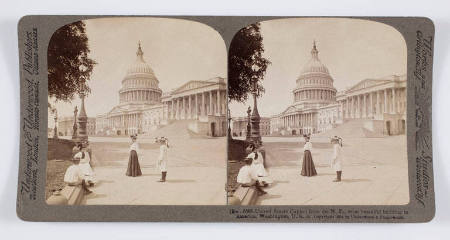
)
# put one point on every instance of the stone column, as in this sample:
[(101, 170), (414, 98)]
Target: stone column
[(171, 112), (203, 105), (394, 101), (352, 106), (385, 101), (359, 106), (378, 106), (346, 108), (218, 102), (196, 106), (310, 122), (190, 107), (178, 109), (371, 104), (184, 108), (364, 113), (210, 112)]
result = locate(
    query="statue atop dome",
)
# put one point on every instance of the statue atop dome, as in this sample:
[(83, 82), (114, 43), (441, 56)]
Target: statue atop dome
[(140, 53), (314, 51)]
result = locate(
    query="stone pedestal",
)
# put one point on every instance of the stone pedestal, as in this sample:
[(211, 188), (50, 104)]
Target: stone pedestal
[(82, 122), (255, 134), (249, 126)]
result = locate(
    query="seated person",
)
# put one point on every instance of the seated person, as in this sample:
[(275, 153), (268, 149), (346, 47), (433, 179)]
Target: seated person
[(74, 175), (247, 178), (85, 167), (87, 148), (258, 168)]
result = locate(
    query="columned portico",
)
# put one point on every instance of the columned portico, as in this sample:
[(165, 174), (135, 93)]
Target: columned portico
[(371, 99)]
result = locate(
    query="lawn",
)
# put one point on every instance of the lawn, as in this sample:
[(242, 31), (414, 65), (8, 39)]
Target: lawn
[(55, 175)]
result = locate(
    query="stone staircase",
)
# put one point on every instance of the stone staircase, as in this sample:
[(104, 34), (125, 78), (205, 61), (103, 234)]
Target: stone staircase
[(353, 128), (173, 130)]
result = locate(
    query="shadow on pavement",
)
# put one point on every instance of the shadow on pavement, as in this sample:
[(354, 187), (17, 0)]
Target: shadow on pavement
[(326, 174), (276, 182), (268, 196), (180, 181), (100, 182), (152, 174), (356, 180), (95, 196)]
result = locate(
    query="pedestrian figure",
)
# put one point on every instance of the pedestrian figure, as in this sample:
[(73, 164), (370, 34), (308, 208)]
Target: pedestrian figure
[(76, 149), (246, 177), (336, 160), (163, 158), (308, 168), (74, 176), (257, 166), (134, 169), (85, 166)]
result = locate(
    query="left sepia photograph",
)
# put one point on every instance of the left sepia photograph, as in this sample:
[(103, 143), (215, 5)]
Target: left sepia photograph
[(136, 113)]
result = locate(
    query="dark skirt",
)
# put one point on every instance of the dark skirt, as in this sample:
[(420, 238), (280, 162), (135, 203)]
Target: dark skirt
[(308, 168), (133, 169)]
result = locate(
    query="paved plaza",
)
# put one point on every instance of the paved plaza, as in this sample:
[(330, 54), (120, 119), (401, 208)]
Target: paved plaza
[(196, 172), (375, 172)]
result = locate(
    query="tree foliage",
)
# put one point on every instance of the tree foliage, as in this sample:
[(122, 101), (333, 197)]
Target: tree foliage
[(246, 65), (69, 66)]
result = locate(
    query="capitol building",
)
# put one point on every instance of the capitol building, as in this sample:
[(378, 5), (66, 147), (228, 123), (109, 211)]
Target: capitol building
[(378, 104), (143, 107)]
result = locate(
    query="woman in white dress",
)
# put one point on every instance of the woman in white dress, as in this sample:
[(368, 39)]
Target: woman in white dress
[(336, 160), (246, 177), (163, 158), (257, 166), (85, 167), (74, 176)]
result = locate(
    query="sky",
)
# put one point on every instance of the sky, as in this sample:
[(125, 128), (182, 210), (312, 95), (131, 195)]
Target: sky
[(181, 50), (352, 49), (177, 51)]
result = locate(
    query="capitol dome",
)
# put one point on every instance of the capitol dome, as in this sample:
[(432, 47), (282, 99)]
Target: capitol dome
[(314, 65), (314, 84), (140, 66), (140, 84)]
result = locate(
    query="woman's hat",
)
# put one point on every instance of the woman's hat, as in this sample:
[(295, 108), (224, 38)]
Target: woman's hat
[(78, 156), (336, 139), (251, 155)]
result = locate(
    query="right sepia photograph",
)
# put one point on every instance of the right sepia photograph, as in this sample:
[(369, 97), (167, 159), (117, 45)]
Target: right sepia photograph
[(317, 112)]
